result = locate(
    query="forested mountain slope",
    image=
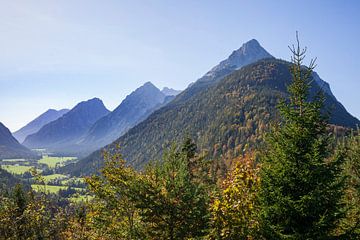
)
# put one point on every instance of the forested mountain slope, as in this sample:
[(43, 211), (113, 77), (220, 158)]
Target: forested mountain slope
[(10, 147), (221, 118)]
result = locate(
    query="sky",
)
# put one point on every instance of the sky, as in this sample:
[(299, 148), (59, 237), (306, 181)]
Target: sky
[(54, 54)]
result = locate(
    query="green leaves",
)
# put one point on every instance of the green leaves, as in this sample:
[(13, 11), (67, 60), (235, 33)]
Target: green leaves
[(168, 200)]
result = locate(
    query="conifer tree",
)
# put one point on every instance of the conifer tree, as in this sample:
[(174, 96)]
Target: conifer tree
[(351, 225), (301, 183)]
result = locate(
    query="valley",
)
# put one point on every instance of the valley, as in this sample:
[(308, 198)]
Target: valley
[(41, 174)]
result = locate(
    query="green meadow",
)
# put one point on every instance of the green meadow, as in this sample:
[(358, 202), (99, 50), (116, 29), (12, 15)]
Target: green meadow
[(16, 169), (52, 177), (51, 162)]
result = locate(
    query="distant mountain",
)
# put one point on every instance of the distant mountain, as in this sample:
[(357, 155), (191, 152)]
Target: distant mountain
[(249, 52), (61, 135), (133, 109), (170, 92), (221, 118), (10, 147), (35, 125)]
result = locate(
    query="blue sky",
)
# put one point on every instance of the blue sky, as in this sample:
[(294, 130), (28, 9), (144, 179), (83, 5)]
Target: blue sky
[(54, 54)]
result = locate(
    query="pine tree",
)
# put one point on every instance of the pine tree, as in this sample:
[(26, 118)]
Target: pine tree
[(351, 225), (301, 183)]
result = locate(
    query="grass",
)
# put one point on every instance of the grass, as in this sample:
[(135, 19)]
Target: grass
[(14, 160), (16, 169), (51, 188), (51, 177), (52, 161), (80, 198), (73, 179)]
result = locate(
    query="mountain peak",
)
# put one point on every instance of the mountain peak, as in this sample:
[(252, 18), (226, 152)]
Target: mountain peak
[(249, 52), (93, 102), (40, 121), (148, 84), (170, 91), (252, 42)]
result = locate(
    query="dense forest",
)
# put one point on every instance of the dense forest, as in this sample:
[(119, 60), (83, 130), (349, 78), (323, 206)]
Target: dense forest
[(302, 183)]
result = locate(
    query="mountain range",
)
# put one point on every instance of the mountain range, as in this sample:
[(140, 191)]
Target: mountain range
[(36, 124), (89, 126), (61, 135), (229, 107), (10, 147), (133, 109)]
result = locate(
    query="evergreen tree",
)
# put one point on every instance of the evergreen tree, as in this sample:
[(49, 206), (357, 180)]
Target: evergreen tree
[(351, 225), (301, 183)]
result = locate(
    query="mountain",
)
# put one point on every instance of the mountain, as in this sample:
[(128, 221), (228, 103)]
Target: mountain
[(170, 91), (249, 52), (222, 117), (35, 125), (134, 108), (10, 147), (61, 135)]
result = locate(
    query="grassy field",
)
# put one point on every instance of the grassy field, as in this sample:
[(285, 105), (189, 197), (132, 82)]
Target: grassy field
[(14, 160), (50, 188), (73, 179), (81, 198), (51, 177), (52, 161), (16, 169)]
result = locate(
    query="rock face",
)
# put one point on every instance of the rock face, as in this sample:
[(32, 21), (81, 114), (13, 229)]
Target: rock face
[(133, 109), (170, 91), (62, 135), (10, 147), (249, 52), (35, 125)]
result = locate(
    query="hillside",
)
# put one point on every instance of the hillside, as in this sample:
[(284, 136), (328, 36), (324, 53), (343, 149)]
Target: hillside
[(35, 125), (61, 135), (133, 109), (10, 147), (221, 118)]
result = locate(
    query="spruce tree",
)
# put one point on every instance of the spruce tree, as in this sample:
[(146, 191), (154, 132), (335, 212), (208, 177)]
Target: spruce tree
[(301, 184)]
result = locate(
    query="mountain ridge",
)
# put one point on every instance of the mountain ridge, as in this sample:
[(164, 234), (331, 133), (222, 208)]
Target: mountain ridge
[(134, 108), (61, 134), (36, 124), (221, 119), (10, 147)]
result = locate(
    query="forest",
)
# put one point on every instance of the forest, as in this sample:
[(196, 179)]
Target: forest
[(301, 182)]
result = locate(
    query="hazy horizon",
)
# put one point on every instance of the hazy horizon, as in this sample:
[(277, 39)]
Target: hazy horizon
[(56, 54)]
